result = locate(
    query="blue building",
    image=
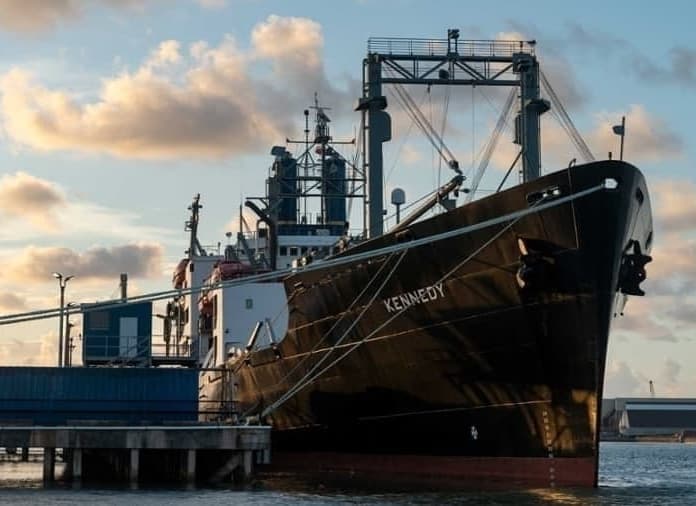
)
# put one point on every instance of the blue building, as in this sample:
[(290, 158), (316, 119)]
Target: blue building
[(117, 335), (119, 395)]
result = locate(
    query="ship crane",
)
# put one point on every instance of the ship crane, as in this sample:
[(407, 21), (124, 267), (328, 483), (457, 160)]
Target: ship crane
[(445, 62), (426, 127)]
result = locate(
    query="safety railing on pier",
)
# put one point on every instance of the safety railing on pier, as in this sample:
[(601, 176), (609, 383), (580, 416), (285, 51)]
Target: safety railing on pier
[(136, 350), (444, 47)]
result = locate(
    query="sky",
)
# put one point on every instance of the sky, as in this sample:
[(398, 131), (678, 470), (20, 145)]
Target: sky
[(114, 113)]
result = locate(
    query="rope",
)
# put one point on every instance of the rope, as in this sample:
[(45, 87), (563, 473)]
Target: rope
[(491, 145), (575, 136), (289, 272), (346, 312), (307, 380), (417, 115), (463, 408)]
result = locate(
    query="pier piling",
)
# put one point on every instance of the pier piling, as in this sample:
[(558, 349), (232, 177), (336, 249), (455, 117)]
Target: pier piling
[(123, 452), (49, 468)]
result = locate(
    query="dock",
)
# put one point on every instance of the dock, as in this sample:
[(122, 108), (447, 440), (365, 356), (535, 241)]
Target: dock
[(196, 452), (127, 425)]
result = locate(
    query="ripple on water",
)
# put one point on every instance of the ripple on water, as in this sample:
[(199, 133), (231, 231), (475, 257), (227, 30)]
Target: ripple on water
[(630, 474)]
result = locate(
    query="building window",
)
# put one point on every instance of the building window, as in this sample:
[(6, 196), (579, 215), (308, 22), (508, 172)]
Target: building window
[(99, 320), (249, 303), (293, 251), (283, 251), (304, 250)]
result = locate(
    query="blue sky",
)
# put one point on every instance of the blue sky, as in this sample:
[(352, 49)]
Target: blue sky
[(114, 113)]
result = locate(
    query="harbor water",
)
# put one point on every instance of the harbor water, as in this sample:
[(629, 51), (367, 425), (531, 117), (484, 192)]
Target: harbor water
[(630, 474)]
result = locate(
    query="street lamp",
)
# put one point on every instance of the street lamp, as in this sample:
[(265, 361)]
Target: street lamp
[(62, 281)]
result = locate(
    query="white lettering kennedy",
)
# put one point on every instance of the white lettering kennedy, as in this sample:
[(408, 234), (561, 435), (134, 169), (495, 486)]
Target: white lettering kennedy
[(405, 300)]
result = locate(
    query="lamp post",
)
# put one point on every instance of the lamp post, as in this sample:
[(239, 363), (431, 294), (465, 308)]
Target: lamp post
[(62, 281)]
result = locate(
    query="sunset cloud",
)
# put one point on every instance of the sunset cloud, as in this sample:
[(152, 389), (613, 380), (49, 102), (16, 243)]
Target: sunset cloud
[(32, 208), (10, 302), (37, 264), (41, 352), (674, 204), (279, 38), (23, 196), (621, 381), (33, 16), (201, 105), (648, 138), (36, 16)]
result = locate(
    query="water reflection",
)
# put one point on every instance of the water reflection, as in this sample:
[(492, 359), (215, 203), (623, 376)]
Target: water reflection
[(630, 474)]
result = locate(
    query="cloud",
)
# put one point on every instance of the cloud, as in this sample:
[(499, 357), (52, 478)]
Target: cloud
[(9, 302), (674, 203), (203, 104), (37, 264), (679, 67), (212, 4), (44, 206), (288, 40), (411, 156), (670, 371), (32, 16), (23, 196), (648, 138), (232, 226), (640, 319), (166, 53), (645, 327), (683, 315), (673, 269), (559, 71), (43, 352), (621, 381), (35, 15)]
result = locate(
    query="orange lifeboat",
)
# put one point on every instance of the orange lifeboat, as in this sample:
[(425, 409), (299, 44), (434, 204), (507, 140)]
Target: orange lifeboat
[(180, 273)]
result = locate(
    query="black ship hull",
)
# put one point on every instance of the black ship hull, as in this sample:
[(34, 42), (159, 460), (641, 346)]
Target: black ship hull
[(478, 356)]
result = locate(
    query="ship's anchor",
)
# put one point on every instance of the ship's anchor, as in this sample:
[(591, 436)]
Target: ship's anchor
[(535, 270), (632, 270)]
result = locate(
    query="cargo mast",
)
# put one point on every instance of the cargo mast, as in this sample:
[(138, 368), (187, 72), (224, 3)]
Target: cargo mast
[(445, 62)]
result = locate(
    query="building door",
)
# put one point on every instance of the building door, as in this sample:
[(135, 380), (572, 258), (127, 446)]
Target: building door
[(128, 336)]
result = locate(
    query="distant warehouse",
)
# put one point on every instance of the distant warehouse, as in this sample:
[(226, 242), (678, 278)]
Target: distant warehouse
[(648, 416)]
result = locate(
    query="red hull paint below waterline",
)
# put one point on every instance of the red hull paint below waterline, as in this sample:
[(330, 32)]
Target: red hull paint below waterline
[(455, 471)]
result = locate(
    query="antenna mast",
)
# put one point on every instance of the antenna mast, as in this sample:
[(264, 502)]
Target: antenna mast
[(195, 248)]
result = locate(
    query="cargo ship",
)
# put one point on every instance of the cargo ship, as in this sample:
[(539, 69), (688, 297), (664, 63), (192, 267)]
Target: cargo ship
[(467, 342)]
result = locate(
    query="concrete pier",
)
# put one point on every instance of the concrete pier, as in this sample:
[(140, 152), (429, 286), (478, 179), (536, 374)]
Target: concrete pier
[(190, 466), (49, 464), (194, 452), (77, 465), (134, 467)]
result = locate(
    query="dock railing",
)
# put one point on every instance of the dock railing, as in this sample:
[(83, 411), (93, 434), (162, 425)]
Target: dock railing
[(138, 350)]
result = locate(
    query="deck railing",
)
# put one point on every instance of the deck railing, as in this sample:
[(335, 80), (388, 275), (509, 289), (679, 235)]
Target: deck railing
[(444, 47)]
